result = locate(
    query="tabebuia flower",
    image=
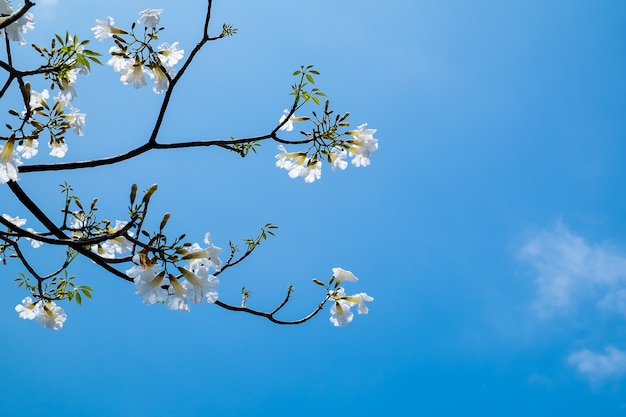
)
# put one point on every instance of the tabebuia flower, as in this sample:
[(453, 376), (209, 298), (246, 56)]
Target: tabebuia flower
[(336, 157), (119, 61), (149, 280), (288, 126), (362, 145), (199, 283), (161, 82), (119, 244), (104, 30), (57, 148), (9, 161), (340, 311), (133, 63), (150, 17), (177, 298), (28, 148), (169, 55), (341, 274), (134, 74), (52, 316), (298, 164), (77, 121), (15, 220), (22, 25), (46, 312)]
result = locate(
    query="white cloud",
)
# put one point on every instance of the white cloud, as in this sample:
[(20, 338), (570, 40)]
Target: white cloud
[(614, 301), (570, 270), (597, 366)]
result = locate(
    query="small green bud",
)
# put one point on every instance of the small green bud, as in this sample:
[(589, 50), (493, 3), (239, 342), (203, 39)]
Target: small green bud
[(133, 193), (166, 217)]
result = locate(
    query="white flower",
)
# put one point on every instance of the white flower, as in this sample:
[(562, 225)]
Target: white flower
[(63, 99), (5, 7), (212, 252), (29, 309), (77, 223), (336, 158), (15, 220), (33, 242), (68, 83), (161, 82), (362, 145), (150, 17), (310, 170), (178, 299), (341, 274), (47, 313), (288, 126), (169, 55), (148, 280), (120, 244), (200, 285), (288, 159), (340, 313), (52, 316), (77, 121), (359, 300), (103, 30), (152, 292), (38, 100), (28, 148), (9, 161), (118, 59), (58, 149), (135, 74), (298, 165), (21, 222), (22, 25)]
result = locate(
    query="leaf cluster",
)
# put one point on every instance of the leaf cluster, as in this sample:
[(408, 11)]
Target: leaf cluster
[(64, 55)]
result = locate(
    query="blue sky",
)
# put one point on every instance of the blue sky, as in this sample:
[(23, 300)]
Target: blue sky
[(490, 226)]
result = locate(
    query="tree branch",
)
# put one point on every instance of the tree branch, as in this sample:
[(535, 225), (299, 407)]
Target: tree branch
[(17, 14)]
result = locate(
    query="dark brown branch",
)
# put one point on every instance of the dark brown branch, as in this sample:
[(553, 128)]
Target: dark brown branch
[(19, 73), (65, 242), (49, 224), (93, 163), (174, 81), (17, 14), (270, 316)]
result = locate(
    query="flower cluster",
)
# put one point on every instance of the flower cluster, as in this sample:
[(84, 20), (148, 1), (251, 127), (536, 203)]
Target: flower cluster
[(119, 244), (47, 313), (56, 117), (83, 225), (136, 59), (19, 223), (340, 313), (9, 161), (298, 164), (193, 281), (303, 164), (22, 25)]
